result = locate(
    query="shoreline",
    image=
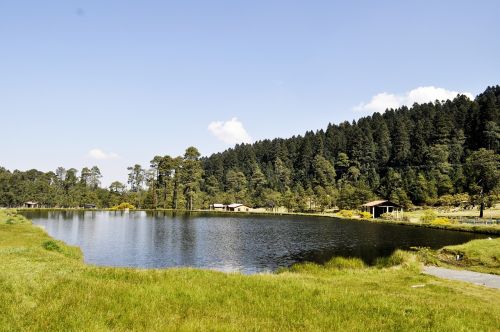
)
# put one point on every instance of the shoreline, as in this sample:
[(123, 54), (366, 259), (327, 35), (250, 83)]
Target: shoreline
[(483, 229)]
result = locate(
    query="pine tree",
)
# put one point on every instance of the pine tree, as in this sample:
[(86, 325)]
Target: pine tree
[(191, 174)]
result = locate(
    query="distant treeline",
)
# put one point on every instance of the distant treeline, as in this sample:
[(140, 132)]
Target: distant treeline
[(445, 152)]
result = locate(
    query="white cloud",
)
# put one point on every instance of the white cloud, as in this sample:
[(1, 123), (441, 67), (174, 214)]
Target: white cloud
[(230, 132), (425, 94), (101, 155)]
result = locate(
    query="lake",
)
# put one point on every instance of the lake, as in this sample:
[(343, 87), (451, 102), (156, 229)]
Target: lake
[(244, 243)]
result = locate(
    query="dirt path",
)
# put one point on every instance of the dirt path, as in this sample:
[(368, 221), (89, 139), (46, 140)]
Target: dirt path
[(483, 279)]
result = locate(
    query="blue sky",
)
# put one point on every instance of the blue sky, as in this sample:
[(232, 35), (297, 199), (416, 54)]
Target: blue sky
[(112, 83)]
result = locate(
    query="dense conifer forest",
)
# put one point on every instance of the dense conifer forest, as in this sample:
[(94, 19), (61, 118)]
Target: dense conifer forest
[(441, 153)]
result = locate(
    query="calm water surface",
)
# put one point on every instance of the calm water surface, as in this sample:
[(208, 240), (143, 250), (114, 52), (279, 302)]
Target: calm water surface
[(248, 244)]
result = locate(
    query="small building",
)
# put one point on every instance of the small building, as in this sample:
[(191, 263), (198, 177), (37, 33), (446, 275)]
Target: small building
[(217, 207), (31, 205), (236, 207), (89, 206), (377, 208)]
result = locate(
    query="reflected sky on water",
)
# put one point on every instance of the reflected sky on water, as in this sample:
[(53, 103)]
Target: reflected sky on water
[(249, 244)]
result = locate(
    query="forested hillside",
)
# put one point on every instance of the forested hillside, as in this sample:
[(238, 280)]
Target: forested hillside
[(409, 155), (437, 153)]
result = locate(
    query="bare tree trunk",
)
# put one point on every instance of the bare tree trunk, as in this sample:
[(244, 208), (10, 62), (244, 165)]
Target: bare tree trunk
[(481, 209), (174, 196), (165, 196), (154, 195)]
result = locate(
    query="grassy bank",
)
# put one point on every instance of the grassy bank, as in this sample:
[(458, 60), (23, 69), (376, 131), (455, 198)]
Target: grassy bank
[(477, 255), (44, 285), (483, 229)]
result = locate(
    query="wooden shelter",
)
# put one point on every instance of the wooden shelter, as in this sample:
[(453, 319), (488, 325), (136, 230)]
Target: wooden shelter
[(217, 207), (377, 208), (31, 205)]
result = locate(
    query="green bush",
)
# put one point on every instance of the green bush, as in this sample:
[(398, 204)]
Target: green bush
[(365, 215), (51, 246), (453, 200), (441, 221), (428, 216), (446, 200), (388, 216), (346, 213), (123, 206)]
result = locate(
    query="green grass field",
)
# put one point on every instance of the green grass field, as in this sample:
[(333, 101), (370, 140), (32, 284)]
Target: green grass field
[(493, 212), (44, 285)]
